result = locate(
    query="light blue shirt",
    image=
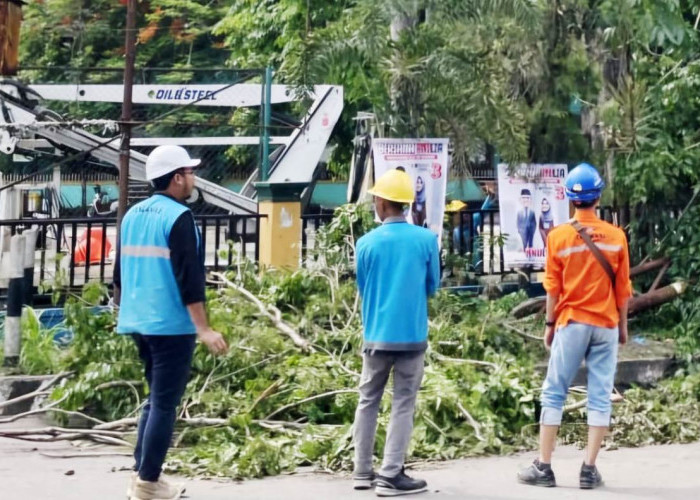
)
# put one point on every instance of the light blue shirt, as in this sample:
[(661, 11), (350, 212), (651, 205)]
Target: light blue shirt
[(398, 268), (150, 302)]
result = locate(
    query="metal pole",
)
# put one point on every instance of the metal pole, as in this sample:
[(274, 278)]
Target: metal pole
[(15, 293), (130, 48), (29, 260), (265, 171)]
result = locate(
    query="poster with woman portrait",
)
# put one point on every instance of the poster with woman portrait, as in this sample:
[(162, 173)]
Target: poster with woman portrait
[(426, 161), (532, 201)]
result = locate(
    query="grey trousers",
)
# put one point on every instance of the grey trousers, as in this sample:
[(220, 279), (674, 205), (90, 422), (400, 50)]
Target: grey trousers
[(408, 374)]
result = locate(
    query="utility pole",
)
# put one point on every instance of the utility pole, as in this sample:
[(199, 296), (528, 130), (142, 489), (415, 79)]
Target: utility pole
[(265, 136), (130, 50)]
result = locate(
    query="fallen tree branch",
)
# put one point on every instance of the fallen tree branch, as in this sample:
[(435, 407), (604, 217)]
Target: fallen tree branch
[(133, 422), (648, 266), (529, 307), (119, 383), (47, 434), (354, 311), (276, 425), (117, 424), (271, 389), (211, 422), (275, 317), (306, 400), (203, 421), (522, 332), (249, 367), (51, 408), (442, 357), (131, 384), (87, 454), (659, 277), (57, 431), (53, 381), (435, 426), (575, 406), (188, 404), (20, 416), (43, 390), (637, 303), (615, 398), (24, 397), (338, 361), (656, 297), (474, 424)]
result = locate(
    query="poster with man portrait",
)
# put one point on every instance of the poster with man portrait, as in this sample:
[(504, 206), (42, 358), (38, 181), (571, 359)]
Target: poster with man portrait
[(532, 201), (426, 161)]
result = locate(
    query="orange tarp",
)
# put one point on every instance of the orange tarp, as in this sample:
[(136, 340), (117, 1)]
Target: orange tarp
[(96, 250)]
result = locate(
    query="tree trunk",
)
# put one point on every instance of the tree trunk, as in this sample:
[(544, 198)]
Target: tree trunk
[(656, 297)]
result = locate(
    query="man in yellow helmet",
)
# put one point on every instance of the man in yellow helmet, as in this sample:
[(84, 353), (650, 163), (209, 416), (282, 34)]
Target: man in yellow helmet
[(397, 270)]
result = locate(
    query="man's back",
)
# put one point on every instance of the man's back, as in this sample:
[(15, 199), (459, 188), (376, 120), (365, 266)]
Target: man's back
[(397, 269), (573, 273), (151, 300)]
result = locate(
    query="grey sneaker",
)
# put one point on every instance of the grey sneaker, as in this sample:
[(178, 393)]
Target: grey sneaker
[(589, 477), (156, 490), (399, 485), (363, 481), (538, 474)]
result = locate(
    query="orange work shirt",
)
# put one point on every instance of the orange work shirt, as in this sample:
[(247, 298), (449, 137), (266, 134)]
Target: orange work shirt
[(573, 273)]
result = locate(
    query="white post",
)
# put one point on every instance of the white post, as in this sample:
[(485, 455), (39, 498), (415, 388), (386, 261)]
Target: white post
[(15, 290), (56, 194)]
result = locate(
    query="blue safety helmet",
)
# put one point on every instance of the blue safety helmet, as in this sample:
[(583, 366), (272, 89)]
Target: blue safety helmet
[(584, 183)]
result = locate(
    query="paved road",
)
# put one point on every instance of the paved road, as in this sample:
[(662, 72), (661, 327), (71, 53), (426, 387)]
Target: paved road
[(661, 472)]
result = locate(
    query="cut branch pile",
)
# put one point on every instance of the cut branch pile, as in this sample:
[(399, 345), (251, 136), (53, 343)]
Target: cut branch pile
[(286, 393)]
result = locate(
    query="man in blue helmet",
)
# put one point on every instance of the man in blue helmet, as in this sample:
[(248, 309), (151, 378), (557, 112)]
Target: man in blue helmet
[(588, 286)]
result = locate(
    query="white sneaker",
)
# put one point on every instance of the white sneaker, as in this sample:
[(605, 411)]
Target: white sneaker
[(132, 481), (156, 490)]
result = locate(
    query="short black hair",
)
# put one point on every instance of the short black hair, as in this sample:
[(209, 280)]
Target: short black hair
[(396, 205), (161, 183), (586, 204)]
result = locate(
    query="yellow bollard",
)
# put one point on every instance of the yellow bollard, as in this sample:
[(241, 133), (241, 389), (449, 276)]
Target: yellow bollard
[(280, 229)]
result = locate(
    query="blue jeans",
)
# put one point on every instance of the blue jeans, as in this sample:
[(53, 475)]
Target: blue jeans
[(572, 344), (167, 360)]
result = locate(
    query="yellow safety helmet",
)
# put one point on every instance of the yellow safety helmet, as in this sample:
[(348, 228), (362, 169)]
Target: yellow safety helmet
[(455, 206), (394, 185)]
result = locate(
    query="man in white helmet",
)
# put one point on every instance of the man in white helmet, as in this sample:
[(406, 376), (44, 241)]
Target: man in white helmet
[(159, 280)]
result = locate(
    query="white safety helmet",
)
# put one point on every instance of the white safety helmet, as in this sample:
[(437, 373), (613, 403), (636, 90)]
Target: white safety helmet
[(166, 159)]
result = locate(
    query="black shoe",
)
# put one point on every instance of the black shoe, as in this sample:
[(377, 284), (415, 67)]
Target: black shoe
[(399, 485), (363, 481), (589, 477), (538, 474)]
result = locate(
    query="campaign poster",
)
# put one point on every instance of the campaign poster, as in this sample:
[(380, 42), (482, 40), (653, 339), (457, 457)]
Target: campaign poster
[(532, 201), (426, 161)]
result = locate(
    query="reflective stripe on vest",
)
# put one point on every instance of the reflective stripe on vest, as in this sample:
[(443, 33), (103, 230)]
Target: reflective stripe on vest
[(146, 251), (584, 248)]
